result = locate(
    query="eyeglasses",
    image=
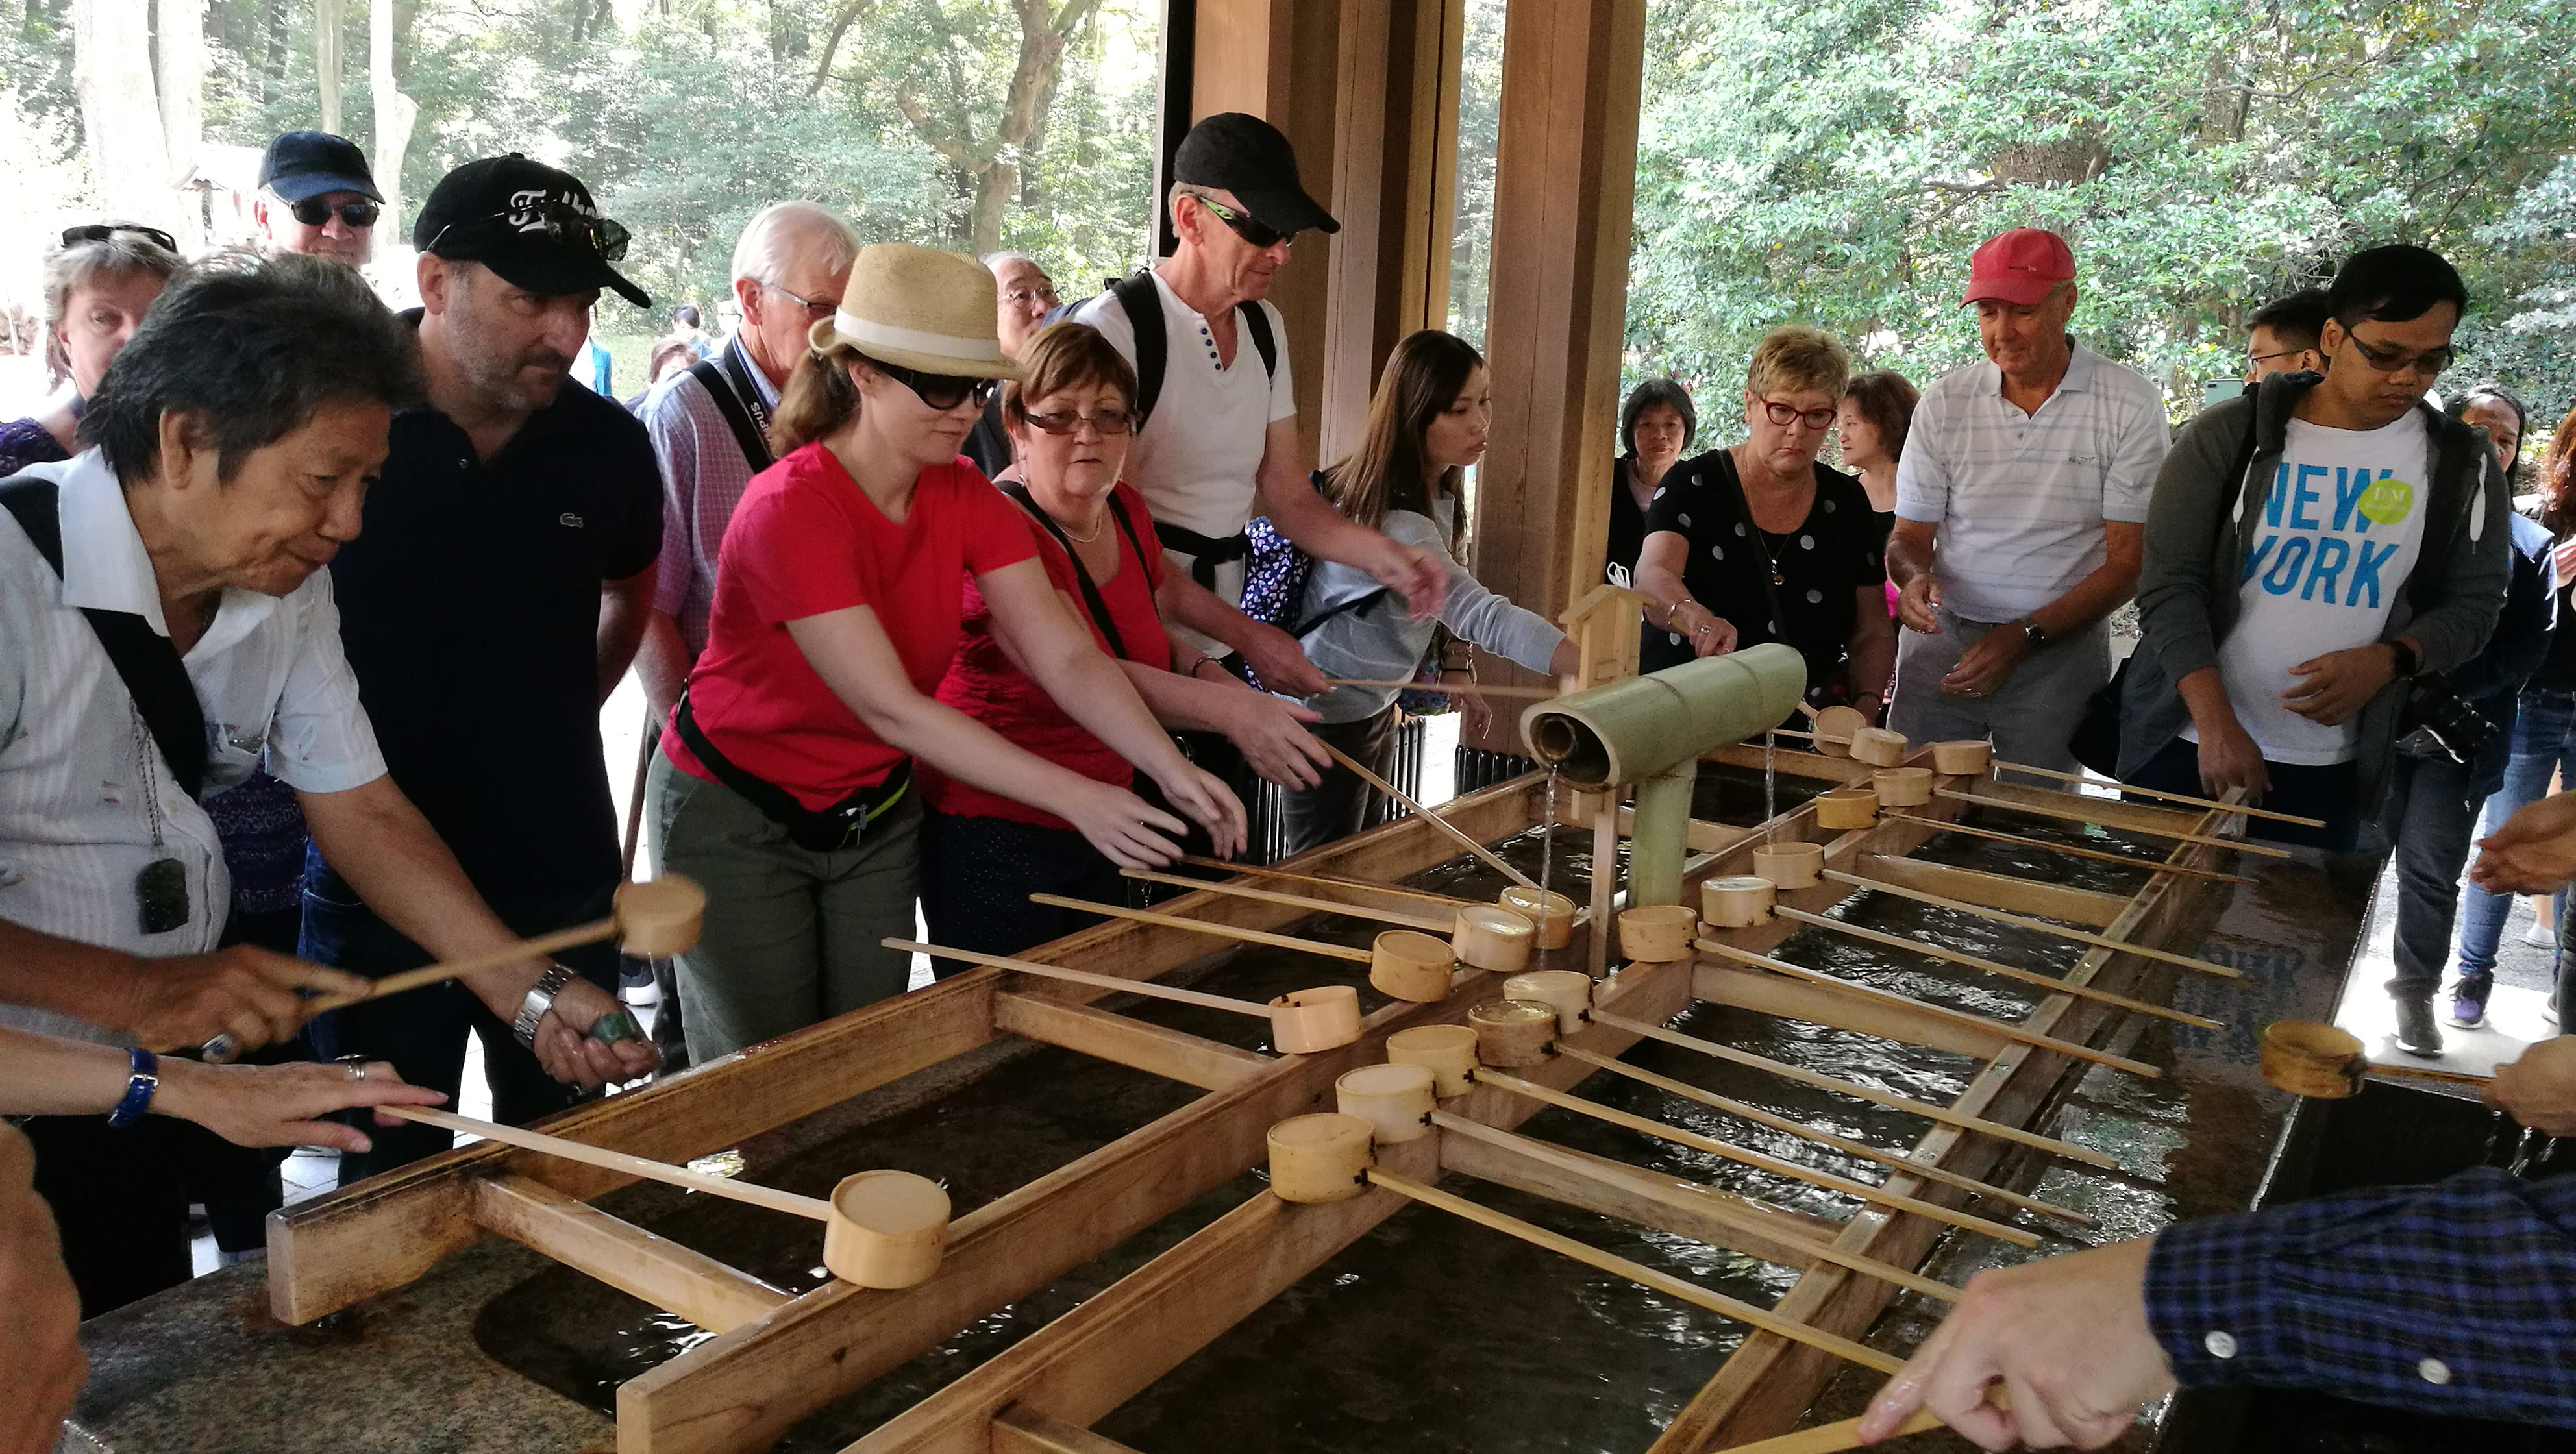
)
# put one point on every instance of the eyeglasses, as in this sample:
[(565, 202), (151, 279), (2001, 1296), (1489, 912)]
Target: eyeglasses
[(940, 391), (1023, 297), (2260, 359), (2383, 359), (110, 231), (816, 309), (556, 220), (314, 212), (1785, 415), (1251, 229), (1107, 421)]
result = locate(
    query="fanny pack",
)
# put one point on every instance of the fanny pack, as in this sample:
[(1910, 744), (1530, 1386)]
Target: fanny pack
[(829, 830)]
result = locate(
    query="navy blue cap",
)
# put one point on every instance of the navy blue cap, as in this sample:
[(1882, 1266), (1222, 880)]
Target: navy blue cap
[(303, 164)]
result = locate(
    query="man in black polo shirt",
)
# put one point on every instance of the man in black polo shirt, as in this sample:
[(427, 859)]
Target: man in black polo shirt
[(493, 599)]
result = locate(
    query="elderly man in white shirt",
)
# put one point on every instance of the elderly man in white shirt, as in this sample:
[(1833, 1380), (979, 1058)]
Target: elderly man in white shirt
[(2031, 472), (231, 445)]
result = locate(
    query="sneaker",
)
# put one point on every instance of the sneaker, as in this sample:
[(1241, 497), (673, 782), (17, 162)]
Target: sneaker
[(2416, 1033), (2469, 1002)]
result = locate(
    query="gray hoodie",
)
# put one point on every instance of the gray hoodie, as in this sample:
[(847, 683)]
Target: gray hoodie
[(2204, 519)]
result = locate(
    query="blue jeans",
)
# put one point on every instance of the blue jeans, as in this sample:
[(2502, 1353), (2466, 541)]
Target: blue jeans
[(2541, 745), (2431, 812)]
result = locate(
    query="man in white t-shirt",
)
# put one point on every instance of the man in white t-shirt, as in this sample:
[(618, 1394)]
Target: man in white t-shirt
[(2019, 501), (1218, 444), (2314, 547)]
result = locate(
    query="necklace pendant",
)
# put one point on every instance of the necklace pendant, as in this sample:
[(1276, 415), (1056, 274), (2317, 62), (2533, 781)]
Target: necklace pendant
[(1778, 579)]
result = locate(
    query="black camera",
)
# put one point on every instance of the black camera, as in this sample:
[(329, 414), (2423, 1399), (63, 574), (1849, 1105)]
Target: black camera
[(2457, 727)]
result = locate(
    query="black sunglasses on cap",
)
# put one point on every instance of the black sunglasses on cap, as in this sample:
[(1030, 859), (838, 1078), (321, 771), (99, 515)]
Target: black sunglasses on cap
[(940, 391), (1251, 229), (314, 212), (557, 221), (109, 231)]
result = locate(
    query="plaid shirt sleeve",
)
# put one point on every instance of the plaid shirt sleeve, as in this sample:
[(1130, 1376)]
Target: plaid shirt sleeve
[(2455, 1298)]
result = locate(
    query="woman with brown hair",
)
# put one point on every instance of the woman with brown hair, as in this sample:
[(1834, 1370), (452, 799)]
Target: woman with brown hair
[(1069, 419), (1426, 425), (1877, 410), (782, 782), (98, 285)]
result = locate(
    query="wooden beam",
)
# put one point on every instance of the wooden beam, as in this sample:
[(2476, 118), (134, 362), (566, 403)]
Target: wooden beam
[(1997, 891), (1565, 175), (1703, 837), (671, 1277), (1799, 999), (2051, 983), (1024, 1431), (2075, 808), (1153, 1049)]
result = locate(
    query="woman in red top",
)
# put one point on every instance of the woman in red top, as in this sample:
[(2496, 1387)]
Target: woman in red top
[(982, 853), (783, 782)]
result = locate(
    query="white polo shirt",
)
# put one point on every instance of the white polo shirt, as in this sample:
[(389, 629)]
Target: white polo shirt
[(1198, 458), (84, 792), (2020, 499)]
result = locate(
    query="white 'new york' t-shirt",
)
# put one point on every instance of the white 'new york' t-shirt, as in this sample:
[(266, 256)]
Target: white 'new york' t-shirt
[(2343, 524)]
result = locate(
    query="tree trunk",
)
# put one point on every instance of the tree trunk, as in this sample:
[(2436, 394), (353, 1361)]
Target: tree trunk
[(179, 55), (991, 167), (996, 187), (328, 21), (395, 112), (120, 116)]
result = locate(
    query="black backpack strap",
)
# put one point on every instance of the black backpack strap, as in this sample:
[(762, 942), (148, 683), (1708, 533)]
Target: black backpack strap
[(1091, 597), (1206, 552), (145, 659), (735, 398), (1257, 324), (1153, 350)]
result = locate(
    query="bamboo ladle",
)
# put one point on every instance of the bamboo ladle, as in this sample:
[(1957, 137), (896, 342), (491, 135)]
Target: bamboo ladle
[(882, 1229), (1301, 1021), (2077, 777), (1480, 689), (2098, 855), (1464, 839), (2078, 815), (1424, 922), (1256, 870), (1481, 935), (654, 919)]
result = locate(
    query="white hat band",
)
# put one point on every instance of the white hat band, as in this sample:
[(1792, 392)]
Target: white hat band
[(864, 335)]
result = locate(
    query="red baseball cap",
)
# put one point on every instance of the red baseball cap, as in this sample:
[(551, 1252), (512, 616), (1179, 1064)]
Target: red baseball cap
[(2019, 267)]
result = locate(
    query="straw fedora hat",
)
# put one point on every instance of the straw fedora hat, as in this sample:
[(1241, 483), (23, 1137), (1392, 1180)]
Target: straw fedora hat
[(919, 308)]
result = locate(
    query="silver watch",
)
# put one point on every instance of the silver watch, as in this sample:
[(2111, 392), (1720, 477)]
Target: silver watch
[(541, 998)]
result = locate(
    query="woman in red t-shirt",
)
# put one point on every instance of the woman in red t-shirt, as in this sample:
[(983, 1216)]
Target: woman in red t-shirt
[(783, 782), (983, 854)]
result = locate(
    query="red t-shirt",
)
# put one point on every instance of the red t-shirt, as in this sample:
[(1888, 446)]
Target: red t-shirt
[(984, 685), (806, 540)]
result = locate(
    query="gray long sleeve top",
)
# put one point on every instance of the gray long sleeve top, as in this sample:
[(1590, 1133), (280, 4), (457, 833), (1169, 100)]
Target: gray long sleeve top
[(1380, 641), (2203, 520)]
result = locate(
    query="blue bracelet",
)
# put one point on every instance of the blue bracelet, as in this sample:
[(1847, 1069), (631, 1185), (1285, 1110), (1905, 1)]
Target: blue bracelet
[(138, 1089)]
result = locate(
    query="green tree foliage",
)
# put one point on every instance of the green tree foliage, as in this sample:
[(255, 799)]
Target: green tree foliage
[(1837, 165)]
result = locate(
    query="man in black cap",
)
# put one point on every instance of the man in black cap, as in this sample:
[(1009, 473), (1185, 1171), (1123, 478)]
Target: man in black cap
[(1217, 442), (316, 195), (493, 599)]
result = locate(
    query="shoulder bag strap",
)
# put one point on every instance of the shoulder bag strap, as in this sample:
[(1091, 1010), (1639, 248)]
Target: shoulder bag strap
[(1144, 307), (144, 658), (735, 400), (1257, 323), (1091, 596)]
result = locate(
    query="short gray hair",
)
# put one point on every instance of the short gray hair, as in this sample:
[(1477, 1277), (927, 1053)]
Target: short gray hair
[(761, 253), (69, 269), (994, 262)]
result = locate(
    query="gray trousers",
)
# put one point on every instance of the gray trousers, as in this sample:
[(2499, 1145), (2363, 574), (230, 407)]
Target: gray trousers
[(792, 937), (2030, 717)]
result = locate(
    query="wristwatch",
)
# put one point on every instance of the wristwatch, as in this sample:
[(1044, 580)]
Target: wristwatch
[(541, 998), (2032, 633)]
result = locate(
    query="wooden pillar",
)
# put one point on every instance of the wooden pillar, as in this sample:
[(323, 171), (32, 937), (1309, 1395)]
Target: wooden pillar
[(1564, 181)]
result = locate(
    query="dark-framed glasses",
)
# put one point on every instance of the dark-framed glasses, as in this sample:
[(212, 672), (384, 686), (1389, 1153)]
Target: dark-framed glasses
[(1784, 415), (110, 231), (556, 220), (1067, 421), (1251, 229), (2388, 359), (314, 212), (940, 391)]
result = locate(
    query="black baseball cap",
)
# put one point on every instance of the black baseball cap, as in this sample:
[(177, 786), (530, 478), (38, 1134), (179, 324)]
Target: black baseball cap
[(534, 225), (301, 164), (1247, 156)]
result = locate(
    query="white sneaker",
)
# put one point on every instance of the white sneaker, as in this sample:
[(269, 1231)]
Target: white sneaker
[(2539, 933)]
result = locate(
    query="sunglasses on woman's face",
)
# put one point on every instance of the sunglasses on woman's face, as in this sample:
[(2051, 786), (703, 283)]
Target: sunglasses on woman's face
[(1066, 421), (940, 391), (314, 212), (107, 231)]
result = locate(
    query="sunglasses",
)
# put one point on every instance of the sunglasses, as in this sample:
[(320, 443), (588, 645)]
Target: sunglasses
[(2383, 359), (1251, 229), (110, 231), (558, 222), (942, 392), (314, 212), (1107, 421)]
